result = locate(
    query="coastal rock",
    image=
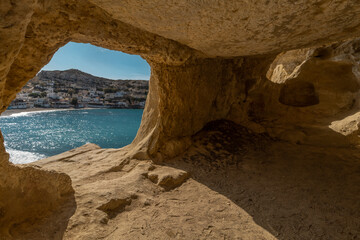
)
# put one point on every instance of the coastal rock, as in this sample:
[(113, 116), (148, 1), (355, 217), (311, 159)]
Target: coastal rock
[(30, 197), (235, 101), (168, 178)]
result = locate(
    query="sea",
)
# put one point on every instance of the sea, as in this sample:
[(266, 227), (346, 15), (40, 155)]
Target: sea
[(30, 136)]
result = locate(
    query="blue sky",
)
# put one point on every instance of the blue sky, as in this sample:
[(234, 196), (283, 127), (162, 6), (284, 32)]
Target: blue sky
[(99, 62)]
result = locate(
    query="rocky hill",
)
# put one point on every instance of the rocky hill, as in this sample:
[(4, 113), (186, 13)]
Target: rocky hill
[(78, 80)]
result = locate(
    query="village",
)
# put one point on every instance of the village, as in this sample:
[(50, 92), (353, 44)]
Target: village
[(75, 89)]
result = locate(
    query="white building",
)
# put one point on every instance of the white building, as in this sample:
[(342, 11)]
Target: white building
[(119, 94), (30, 104), (18, 104), (85, 99), (53, 95), (22, 96), (50, 90), (109, 95), (63, 94), (95, 100), (122, 104), (42, 102), (142, 104), (93, 94)]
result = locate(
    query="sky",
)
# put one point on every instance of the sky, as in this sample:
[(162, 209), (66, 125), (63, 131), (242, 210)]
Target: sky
[(99, 62)]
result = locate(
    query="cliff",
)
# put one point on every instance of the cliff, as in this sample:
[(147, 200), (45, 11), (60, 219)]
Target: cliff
[(250, 128)]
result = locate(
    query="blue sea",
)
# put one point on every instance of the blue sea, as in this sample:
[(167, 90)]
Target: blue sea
[(30, 136)]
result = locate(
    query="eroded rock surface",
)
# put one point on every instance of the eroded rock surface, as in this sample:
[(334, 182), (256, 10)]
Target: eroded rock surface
[(240, 138), (30, 197)]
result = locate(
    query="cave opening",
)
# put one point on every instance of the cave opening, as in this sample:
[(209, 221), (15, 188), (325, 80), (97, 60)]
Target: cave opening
[(85, 94)]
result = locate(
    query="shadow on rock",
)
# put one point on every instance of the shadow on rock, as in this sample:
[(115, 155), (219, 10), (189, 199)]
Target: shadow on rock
[(35, 204), (293, 191)]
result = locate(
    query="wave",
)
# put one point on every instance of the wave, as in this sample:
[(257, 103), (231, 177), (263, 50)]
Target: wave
[(23, 114), (23, 157)]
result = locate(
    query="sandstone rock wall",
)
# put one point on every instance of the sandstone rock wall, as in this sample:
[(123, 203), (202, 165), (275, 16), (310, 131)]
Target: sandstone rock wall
[(29, 195), (240, 28), (200, 72), (184, 98), (316, 87), (320, 88)]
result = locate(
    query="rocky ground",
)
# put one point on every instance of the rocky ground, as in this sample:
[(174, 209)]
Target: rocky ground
[(230, 184)]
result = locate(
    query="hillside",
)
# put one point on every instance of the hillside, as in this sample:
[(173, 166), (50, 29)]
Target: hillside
[(77, 79), (64, 89)]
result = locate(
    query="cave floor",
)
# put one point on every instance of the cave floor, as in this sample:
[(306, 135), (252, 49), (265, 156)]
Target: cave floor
[(241, 185)]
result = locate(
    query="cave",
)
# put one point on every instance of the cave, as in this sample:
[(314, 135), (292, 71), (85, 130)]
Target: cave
[(250, 128)]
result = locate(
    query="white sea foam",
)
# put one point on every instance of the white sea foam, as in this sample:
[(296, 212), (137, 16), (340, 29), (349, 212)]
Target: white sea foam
[(22, 114), (23, 157)]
